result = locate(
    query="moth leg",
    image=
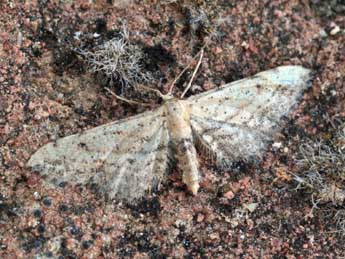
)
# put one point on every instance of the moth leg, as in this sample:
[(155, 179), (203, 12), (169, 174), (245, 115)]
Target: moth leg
[(127, 100)]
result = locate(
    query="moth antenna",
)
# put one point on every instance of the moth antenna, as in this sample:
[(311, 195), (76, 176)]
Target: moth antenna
[(194, 73), (127, 100), (185, 69)]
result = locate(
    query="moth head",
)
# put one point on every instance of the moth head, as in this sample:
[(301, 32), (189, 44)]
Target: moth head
[(167, 97), (177, 108)]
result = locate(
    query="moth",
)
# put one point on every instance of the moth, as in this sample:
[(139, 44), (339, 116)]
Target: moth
[(128, 157)]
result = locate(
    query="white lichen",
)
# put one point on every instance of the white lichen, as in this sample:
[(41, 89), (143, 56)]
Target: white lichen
[(119, 60), (323, 168)]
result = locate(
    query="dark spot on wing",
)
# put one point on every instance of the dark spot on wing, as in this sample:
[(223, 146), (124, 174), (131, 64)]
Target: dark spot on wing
[(82, 145)]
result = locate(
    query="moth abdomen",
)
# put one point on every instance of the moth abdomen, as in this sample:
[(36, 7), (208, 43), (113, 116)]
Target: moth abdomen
[(188, 164)]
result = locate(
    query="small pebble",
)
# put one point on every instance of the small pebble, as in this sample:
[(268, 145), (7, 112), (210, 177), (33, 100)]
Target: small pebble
[(37, 196), (229, 195), (75, 230), (335, 30), (86, 244), (63, 208), (37, 213), (251, 206), (41, 228), (323, 33), (214, 236), (62, 184), (200, 217), (277, 145), (47, 201)]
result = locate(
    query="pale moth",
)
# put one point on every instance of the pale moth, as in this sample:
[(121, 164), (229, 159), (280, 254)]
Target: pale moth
[(128, 157)]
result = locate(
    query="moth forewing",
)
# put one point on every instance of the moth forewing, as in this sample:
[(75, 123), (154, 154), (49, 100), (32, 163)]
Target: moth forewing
[(125, 158), (235, 121)]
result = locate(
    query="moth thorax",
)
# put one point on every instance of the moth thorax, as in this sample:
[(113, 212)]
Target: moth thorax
[(179, 120)]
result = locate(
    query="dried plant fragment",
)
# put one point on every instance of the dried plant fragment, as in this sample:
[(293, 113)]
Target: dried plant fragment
[(129, 157)]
